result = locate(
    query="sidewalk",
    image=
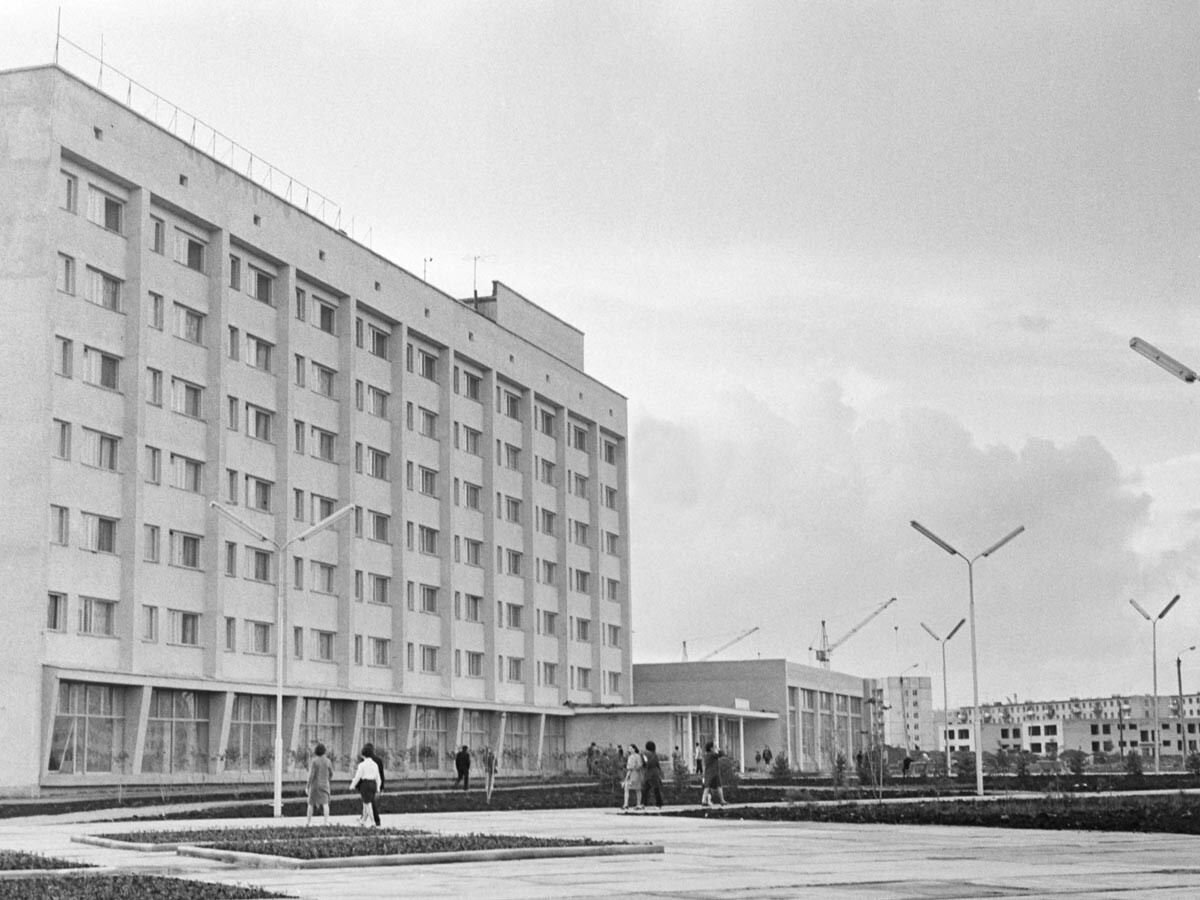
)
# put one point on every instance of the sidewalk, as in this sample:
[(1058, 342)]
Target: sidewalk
[(703, 859)]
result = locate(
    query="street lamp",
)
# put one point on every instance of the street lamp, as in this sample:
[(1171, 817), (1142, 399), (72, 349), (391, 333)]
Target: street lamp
[(1156, 356), (1153, 620), (945, 691), (970, 561), (280, 590)]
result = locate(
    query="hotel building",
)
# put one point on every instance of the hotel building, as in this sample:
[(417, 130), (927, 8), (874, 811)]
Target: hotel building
[(176, 335)]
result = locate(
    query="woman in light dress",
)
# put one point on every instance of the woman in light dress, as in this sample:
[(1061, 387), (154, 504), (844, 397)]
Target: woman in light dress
[(633, 777), (320, 771)]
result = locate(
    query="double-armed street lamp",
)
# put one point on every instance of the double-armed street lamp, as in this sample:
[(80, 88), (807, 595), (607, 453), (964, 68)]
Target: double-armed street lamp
[(1153, 620), (945, 690), (280, 593), (970, 561)]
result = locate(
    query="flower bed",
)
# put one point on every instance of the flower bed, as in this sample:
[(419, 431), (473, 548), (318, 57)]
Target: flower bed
[(372, 843), (123, 887), (1178, 814), (265, 833), (19, 861)]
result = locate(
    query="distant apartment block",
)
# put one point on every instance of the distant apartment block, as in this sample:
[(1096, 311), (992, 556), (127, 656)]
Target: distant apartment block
[(175, 335)]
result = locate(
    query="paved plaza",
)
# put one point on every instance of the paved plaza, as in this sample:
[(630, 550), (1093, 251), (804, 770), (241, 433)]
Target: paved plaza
[(703, 859)]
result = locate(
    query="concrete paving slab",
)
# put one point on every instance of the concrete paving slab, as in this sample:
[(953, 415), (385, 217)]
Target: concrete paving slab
[(703, 859)]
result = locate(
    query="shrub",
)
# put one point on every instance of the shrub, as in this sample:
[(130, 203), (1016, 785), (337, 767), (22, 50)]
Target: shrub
[(729, 772), (839, 769), (964, 765), (1133, 763), (1076, 761), (1193, 762), (780, 767), (680, 773)]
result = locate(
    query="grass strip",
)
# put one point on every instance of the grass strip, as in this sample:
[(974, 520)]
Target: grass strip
[(20, 861), (124, 887)]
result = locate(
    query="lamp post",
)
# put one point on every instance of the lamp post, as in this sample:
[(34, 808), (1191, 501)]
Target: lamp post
[(970, 561), (280, 590), (1153, 620), (1183, 741), (945, 690)]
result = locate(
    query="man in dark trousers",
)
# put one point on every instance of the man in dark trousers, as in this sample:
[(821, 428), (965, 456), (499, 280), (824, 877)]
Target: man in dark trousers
[(378, 757), (462, 765)]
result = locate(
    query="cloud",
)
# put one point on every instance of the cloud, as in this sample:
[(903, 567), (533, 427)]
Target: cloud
[(746, 516)]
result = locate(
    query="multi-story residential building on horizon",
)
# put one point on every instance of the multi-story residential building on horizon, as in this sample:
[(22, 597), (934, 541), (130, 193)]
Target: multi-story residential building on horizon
[(178, 336)]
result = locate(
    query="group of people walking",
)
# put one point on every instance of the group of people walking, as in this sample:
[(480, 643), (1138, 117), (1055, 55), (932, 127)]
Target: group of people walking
[(368, 779), (643, 777)]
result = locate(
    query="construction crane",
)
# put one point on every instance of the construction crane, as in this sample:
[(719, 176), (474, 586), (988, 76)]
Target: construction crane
[(827, 648), (725, 646)]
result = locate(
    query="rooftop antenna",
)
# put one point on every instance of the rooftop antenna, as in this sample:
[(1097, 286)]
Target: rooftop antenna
[(57, 34), (425, 267)]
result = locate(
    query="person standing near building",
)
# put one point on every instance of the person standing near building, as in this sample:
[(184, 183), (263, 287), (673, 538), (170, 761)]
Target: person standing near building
[(652, 776), (320, 772), (366, 779), (767, 757), (592, 750), (712, 777), (633, 777), (698, 756), (462, 766), (376, 807)]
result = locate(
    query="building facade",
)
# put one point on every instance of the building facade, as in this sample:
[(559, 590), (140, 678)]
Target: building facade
[(177, 337), (905, 710)]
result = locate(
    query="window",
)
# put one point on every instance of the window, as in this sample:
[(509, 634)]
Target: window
[(583, 630), (62, 439), (610, 452), (379, 342), (580, 533), (66, 274), (56, 611), (547, 520), (323, 444), (380, 587), (429, 658), (155, 309), (474, 664), (230, 558), (512, 618), (261, 285), (185, 628), (377, 463), (323, 577), (260, 637), (153, 465), (298, 431), (322, 507), (189, 398), (473, 385), (100, 450), (549, 674), (150, 543), (516, 669), (581, 580), (471, 440), (97, 616), (154, 387), (258, 353), (513, 559), (301, 367), (158, 235), (428, 481), (472, 494), (579, 485), (428, 423), (260, 564), (233, 414), (474, 555), (60, 525), (298, 642), (99, 533), (189, 324), (189, 250), (358, 650), (549, 622), (610, 497), (323, 380), (545, 422), (429, 540), (70, 195), (512, 405), (381, 651), (377, 402), (189, 473), (103, 369), (106, 210), (185, 550), (612, 589), (258, 493), (427, 365), (63, 354), (612, 543), (583, 678), (103, 289), (326, 316), (613, 682), (612, 635), (325, 646), (548, 572), (512, 457), (301, 305), (235, 272), (473, 608), (579, 437), (381, 527)]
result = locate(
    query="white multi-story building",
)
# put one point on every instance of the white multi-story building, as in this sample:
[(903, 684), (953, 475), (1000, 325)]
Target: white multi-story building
[(175, 334), (905, 712)]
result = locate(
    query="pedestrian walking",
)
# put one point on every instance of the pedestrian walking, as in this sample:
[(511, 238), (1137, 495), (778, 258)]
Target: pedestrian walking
[(462, 766), (320, 771), (633, 777), (652, 776), (366, 779), (712, 777), (377, 806)]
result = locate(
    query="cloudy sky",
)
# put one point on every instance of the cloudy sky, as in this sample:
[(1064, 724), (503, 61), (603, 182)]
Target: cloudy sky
[(853, 264)]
